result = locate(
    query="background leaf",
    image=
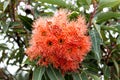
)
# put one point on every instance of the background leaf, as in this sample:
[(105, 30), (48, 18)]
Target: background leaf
[(38, 73), (54, 74), (6, 3), (94, 77), (96, 40), (60, 3), (27, 22), (76, 76), (106, 3), (102, 17)]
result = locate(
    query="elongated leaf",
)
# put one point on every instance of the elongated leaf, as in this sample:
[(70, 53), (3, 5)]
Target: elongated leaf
[(118, 40), (113, 28), (91, 65), (73, 15), (57, 2), (5, 26), (84, 76), (60, 3), (79, 76), (94, 77), (27, 61), (103, 17), (116, 66), (3, 46), (96, 44), (5, 5), (118, 27), (83, 2), (13, 24), (1, 6), (106, 72), (27, 22), (54, 74), (108, 3), (38, 73), (76, 76), (98, 29)]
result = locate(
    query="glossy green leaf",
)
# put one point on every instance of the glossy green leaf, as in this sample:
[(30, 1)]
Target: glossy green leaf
[(27, 22), (6, 3), (108, 3), (96, 40), (54, 74), (103, 17), (38, 73)]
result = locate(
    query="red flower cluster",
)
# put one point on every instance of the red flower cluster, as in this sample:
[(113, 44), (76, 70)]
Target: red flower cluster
[(59, 42)]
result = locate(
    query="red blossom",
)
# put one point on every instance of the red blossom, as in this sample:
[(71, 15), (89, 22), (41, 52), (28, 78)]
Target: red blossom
[(59, 42)]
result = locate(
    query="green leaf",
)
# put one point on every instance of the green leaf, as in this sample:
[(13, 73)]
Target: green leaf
[(73, 15), (68, 77), (6, 3), (57, 2), (76, 76), (84, 76), (103, 17), (27, 22), (91, 65), (79, 76), (60, 3), (3, 46), (83, 2), (38, 73), (27, 61), (54, 74), (118, 40), (108, 3), (96, 40), (94, 77), (98, 29), (116, 66), (106, 72), (5, 26), (118, 27), (1, 6), (12, 24)]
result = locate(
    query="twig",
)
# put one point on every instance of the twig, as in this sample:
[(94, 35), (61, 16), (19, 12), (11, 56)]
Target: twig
[(93, 13)]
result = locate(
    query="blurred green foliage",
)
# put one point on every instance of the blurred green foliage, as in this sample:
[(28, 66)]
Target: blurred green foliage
[(102, 62)]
